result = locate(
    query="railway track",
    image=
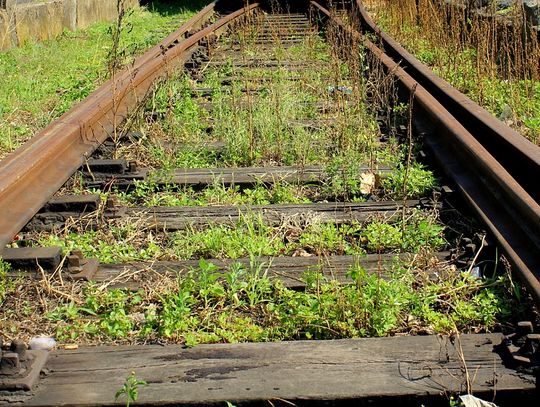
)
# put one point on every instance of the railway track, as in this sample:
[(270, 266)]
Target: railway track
[(281, 158)]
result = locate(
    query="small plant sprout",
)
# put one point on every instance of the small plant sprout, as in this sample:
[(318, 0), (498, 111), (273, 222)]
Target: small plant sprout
[(130, 389)]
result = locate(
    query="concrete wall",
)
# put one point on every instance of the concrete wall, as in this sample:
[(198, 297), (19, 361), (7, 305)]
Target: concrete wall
[(38, 21), (87, 12), (5, 34), (41, 20)]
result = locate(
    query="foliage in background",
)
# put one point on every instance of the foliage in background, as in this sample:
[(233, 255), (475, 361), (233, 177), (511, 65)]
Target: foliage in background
[(496, 67)]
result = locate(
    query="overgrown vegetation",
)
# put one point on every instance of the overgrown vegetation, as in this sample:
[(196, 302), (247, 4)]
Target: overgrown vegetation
[(309, 111), (495, 64), (277, 122), (41, 81), (244, 304), (311, 115), (149, 194), (130, 240)]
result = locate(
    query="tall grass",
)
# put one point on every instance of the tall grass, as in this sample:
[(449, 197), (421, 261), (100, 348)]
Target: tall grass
[(492, 57)]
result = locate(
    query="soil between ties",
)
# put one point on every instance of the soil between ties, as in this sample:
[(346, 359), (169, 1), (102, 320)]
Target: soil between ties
[(299, 121)]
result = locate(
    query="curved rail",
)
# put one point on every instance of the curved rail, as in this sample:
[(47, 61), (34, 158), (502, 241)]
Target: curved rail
[(500, 201), (33, 173), (500, 140)]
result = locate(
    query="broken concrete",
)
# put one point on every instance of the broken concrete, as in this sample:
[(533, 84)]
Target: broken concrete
[(38, 21)]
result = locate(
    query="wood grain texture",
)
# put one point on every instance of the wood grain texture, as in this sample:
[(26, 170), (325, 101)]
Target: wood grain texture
[(172, 218), (181, 217), (289, 270), (242, 176), (375, 369)]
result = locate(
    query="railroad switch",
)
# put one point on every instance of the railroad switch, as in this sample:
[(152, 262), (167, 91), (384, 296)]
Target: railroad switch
[(20, 367), (521, 349)]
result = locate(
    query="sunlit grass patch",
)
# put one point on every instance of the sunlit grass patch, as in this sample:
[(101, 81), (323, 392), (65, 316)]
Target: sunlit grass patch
[(41, 81)]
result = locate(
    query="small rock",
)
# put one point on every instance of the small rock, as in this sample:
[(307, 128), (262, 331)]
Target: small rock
[(138, 317), (343, 89), (476, 272), (42, 343), (301, 253), (469, 400), (503, 4), (506, 114)]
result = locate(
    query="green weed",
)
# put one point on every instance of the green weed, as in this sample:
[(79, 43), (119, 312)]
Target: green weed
[(413, 182), (244, 304), (130, 389), (250, 236), (118, 244), (146, 193), (4, 281)]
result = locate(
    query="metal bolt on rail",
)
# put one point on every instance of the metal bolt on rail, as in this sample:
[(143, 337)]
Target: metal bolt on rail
[(521, 349), (20, 367)]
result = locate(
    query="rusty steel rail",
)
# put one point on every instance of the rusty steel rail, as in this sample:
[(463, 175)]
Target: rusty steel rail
[(498, 139), (505, 206), (33, 173)]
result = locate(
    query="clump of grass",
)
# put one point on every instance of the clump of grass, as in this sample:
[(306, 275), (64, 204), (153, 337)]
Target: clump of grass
[(123, 242), (250, 236), (413, 234), (244, 304), (412, 182)]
